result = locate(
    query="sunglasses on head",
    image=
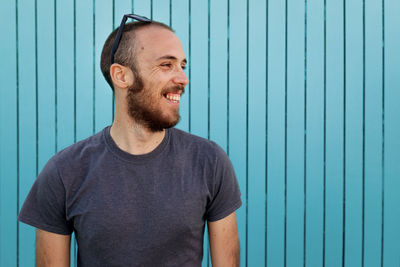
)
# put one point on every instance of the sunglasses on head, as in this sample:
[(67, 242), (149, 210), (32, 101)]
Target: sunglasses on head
[(121, 29)]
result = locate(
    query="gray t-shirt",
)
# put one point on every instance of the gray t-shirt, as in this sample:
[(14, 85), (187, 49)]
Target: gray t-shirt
[(134, 210)]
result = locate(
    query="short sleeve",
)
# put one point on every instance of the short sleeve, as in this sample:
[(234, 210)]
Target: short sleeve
[(44, 207), (226, 192)]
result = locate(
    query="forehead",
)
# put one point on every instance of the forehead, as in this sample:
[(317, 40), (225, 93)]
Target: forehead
[(155, 42)]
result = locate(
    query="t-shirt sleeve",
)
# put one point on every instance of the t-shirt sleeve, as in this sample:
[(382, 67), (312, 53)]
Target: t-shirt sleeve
[(226, 192), (44, 207)]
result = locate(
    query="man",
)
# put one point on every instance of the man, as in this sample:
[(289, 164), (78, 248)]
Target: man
[(139, 192)]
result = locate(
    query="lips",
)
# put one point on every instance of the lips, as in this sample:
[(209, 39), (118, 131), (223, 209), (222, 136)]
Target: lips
[(173, 94)]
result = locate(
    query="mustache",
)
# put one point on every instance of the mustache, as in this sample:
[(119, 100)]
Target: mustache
[(174, 89)]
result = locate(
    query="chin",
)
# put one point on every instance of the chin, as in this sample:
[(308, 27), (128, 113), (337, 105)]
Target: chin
[(162, 124)]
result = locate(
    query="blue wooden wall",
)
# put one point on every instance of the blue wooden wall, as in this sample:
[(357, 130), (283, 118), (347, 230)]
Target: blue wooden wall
[(302, 94)]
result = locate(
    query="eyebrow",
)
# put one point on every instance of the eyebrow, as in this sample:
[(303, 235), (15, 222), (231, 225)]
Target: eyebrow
[(172, 58)]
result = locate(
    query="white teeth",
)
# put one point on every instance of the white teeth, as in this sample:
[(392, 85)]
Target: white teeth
[(173, 97)]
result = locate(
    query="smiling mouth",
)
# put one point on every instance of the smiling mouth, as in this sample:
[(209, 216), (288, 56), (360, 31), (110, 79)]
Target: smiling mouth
[(173, 97)]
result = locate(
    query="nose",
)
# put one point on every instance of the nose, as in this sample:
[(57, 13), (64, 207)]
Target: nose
[(181, 78)]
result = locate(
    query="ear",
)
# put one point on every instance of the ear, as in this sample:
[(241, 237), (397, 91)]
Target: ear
[(121, 76)]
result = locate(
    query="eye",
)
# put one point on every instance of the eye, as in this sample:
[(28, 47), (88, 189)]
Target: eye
[(166, 65), (183, 67)]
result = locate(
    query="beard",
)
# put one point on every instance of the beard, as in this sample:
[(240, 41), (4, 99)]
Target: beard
[(143, 107)]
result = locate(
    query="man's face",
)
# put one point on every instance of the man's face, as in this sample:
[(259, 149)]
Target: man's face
[(153, 99)]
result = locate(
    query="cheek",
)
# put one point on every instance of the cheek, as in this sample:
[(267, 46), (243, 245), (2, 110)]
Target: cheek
[(159, 78), (151, 95), (156, 90)]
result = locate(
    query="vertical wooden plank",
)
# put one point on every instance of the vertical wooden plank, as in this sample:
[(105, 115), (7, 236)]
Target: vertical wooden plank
[(103, 99), (219, 72), (276, 209), (180, 23), (295, 133), (142, 7), (199, 112), (237, 109), (8, 136), (65, 74), (391, 135), (161, 11), (334, 133), (84, 69), (353, 133), (373, 132), (315, 133), (27, 120), (256, 132)]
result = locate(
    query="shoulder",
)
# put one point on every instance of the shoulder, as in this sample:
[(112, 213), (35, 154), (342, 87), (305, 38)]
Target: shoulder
[(198, 149), (75, 160), (195, 143), (80, 150)]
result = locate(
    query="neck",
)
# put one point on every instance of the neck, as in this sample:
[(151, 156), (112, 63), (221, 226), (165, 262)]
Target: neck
[(133, 138)]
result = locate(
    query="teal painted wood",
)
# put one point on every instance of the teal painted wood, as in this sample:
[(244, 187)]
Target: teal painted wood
[(276, 138), (161, 11), (391, 135), (373, 133), (295, 133), (84, 69), (353, 124), (142, 7), (334, 134), (302, 95), (9, 199), (219, 72), (65, 106), (199, 106), (256, 96), (315, 134)]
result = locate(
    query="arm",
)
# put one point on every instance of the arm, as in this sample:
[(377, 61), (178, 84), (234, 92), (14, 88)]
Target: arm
[(52, 249), (224, 242)]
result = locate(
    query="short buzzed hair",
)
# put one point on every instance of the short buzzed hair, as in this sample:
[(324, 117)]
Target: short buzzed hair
[(126, 52)]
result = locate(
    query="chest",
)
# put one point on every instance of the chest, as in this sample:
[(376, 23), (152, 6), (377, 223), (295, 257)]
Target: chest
[(155, 207)]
